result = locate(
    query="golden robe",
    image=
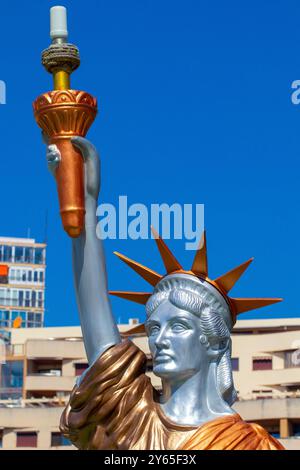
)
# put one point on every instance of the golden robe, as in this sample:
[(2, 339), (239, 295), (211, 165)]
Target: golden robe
[(116, 407)]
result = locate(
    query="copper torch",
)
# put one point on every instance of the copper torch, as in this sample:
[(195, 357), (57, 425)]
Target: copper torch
[(64, 113)]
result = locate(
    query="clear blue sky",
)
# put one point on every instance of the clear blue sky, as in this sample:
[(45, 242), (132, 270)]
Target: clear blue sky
[(194, 108)]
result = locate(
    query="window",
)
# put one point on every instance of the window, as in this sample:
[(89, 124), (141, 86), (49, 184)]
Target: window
[(39, 256), (29, 276), (41, 276), (80, 368), (296, 429), (235, 363), (33, 298), (262, 363), (14, 297), (27, 298), (3, 279), (272, 427), (30, 316), (57, 439), (40, 299), (291, 359), (5, 297), (7, 254), (28, 255), (26, 439), (19, 254), (21, 298), (17, 313), (35, 276), (11, 379), (4, 314)]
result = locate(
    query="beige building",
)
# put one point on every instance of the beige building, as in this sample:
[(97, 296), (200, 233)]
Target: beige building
[(41, 366)]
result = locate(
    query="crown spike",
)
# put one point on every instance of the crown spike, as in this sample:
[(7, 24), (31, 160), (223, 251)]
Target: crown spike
[(228, 280), (244, 305), (169, 260), (138, 297), (200, 267), (146, 273)]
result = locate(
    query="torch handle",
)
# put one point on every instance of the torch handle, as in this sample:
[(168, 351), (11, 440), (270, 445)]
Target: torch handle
[(70, 187)]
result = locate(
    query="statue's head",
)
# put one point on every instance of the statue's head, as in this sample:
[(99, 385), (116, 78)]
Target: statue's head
[(188, 327), (190, 317)]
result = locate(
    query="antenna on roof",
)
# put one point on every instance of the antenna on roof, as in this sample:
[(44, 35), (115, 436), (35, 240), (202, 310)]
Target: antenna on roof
[(46, 226)]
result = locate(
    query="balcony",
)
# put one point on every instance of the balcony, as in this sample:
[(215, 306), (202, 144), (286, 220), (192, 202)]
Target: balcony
[(22, 417), (48, 382), (55, 349), (277, 377), (272, 408)]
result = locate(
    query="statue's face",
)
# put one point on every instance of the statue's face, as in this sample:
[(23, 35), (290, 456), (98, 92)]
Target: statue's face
[(174, 341)]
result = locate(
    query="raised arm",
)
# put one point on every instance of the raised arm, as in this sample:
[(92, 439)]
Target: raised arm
[(98, 326)]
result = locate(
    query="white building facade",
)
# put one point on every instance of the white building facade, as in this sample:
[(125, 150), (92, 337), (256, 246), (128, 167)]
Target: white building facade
[(22, 282)]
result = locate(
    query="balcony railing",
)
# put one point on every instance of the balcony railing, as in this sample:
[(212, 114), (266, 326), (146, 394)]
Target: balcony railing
[(34, 402), (53, 373), (268, 395)]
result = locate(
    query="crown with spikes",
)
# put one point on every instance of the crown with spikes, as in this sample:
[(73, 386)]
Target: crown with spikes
[(199, 269)]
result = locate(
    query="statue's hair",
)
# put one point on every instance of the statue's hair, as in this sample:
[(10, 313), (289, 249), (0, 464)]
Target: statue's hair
[(215, 322)]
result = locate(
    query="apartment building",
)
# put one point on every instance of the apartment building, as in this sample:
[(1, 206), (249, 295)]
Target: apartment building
[(41, 366), (22, 282)]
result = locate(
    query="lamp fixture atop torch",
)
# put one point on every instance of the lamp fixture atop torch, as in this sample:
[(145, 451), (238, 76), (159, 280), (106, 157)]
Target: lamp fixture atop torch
[(60, 58)]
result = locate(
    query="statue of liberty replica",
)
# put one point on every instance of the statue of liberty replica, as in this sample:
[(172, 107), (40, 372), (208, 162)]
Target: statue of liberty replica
[(189, 317)]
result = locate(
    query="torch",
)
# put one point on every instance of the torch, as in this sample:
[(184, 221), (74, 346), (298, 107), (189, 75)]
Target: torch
[(62, 114)]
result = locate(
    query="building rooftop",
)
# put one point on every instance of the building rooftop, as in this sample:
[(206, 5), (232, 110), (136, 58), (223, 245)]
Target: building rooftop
[(20, 241), (21, 335), (17, 240), (271, 325)]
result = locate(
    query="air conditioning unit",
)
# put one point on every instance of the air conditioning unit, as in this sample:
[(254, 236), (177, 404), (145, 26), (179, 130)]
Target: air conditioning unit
[(133, 321)]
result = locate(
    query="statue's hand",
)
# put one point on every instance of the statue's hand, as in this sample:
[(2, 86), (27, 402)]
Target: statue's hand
[(91, 164), (52, 155), (53, 158), (92, 168)]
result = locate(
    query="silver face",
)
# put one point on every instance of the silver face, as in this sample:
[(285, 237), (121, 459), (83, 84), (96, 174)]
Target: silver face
[(174, 337)]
